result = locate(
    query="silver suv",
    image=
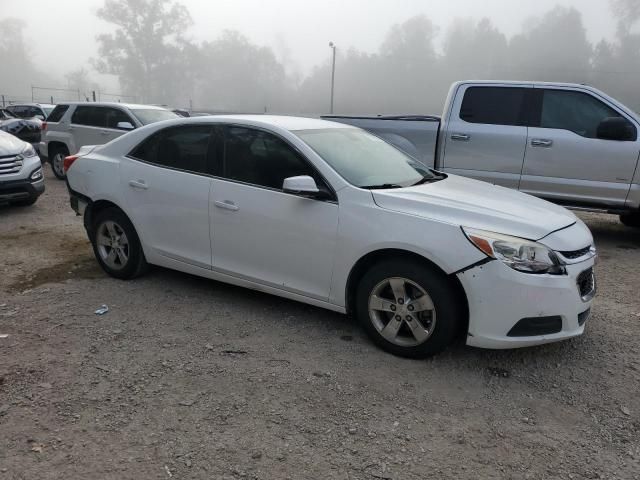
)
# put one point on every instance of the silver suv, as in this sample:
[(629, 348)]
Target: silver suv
[(74, 125), (21, 179)]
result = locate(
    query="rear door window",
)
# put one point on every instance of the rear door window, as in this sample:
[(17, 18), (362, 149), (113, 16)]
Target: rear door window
[(495, 106), (89, 116), (181, 148)]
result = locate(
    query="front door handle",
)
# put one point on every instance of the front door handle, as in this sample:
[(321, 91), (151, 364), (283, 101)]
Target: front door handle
[(140, 184), (460, 137), (227, 205), (541, 142)]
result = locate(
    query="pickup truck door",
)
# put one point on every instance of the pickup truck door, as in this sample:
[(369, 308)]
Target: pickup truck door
[(566, 162), (486, 133)]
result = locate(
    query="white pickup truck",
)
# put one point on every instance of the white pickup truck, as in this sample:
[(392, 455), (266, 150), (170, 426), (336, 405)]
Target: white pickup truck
[(569, 144)]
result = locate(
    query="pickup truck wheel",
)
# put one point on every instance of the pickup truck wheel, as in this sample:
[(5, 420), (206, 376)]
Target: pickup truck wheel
[(57, 162), (631, 219), (116, 245), (407, 309)]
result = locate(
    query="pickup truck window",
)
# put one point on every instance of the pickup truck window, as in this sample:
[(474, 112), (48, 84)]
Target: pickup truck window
[(365, 160), (577, 112), (494, 106)]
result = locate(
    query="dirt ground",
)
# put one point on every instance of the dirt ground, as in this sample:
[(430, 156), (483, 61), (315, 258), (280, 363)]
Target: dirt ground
[(187, 378)]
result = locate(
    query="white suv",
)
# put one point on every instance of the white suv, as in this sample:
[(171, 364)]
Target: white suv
[(73, 125)]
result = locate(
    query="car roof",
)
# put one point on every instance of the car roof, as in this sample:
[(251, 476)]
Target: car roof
[(31, 105), (283, 122), (132, 106)]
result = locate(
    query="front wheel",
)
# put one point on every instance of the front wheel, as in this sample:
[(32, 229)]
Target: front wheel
[(408, 309), (631, 219), (116, 245)]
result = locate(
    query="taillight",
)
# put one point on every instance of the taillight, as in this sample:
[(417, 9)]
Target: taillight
[(68, 161), (44, 126)]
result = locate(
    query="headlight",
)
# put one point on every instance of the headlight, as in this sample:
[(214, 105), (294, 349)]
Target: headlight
[(28, 151), (36, 175), (520, 254)]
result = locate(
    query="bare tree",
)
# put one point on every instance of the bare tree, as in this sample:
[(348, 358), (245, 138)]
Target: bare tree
[(149, 37)]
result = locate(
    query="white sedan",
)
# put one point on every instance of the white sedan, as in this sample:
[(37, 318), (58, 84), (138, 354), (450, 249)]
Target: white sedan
[(330, 215)]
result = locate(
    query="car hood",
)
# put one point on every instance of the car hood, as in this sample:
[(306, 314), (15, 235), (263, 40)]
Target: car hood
[(10, 145), (471, 203)]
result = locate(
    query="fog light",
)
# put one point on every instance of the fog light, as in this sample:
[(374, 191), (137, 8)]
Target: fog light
[(36, 175)]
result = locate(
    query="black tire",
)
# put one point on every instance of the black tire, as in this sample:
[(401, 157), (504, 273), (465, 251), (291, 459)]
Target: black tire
[(444, 322), (27, 202), (56, 159), (631, 219), (136, 263)]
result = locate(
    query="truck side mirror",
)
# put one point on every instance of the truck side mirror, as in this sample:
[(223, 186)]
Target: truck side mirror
[(616, 128)]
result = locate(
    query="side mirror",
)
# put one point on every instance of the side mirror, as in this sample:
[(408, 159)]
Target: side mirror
[(124, 126), (303, 184), (616, 128)]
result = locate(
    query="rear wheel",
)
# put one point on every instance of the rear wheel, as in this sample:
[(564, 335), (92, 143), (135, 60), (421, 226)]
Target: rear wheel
[(408, 309), (57, 162), (631, 219), (116, 245)]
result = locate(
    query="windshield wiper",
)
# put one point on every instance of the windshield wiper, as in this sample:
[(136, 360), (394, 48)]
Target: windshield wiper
[(382, 186), (434, 178)]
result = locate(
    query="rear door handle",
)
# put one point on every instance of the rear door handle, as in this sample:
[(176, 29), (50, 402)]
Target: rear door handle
[(461, 137), (541, 142), (227, 205), (140, 184)]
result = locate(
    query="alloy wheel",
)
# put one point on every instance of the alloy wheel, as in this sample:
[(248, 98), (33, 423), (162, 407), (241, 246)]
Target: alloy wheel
[(113, 245), (402, 312)]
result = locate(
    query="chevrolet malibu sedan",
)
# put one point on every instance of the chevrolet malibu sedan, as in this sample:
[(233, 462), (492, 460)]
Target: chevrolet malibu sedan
[(330, 215)]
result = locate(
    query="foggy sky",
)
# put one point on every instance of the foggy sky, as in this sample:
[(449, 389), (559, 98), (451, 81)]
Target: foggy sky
[(63, 32)]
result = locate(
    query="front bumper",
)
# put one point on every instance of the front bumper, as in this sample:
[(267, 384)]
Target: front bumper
[(23, 189), (499, 297)]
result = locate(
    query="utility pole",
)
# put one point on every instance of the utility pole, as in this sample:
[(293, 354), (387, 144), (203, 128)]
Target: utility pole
[(333, 73)]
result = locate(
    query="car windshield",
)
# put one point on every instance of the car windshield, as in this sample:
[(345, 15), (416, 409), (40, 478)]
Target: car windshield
[(365, 160), (152, 115)]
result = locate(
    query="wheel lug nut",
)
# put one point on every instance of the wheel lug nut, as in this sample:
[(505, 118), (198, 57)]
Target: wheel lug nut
[(409, 318), (400, 301), (393, 308), (398, 318), (410, 308)]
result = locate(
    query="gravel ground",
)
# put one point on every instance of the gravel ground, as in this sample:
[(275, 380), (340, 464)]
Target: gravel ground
[(189, 378)]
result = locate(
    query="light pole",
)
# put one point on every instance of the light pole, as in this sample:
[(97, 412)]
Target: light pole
[(333, 72)]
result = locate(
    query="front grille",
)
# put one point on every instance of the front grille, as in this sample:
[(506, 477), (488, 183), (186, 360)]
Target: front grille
[(586, 283), (10, 164), (572, 255)]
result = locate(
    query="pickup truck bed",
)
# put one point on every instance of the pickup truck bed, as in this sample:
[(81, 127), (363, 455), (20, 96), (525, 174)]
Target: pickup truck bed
[(416, 135)]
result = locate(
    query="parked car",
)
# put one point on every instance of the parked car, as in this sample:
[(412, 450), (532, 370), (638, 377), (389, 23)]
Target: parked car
[(73, 125), (569, 144), (26, 129), (21, 178), (31, 110), (333, 216)]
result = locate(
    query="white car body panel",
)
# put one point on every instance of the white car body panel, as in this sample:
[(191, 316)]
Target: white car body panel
[(305, 249)]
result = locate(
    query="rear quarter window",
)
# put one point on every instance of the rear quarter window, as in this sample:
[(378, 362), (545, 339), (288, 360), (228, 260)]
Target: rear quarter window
[(57, 113)]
